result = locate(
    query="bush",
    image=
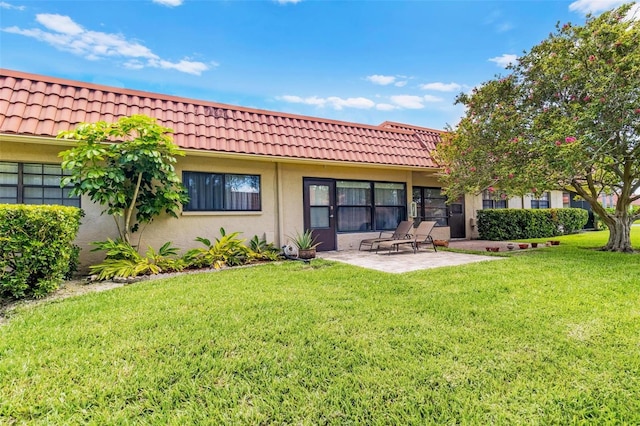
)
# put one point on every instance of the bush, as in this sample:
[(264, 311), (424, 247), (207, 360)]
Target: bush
[(228, 250), (36, 250), (124, 261), (262, 250), (74, 262), (517, 224)]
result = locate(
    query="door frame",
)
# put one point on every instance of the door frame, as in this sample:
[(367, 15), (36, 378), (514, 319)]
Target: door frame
[(326, 235), (449, 216)]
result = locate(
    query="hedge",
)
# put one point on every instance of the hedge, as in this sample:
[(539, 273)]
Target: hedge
[(517, 224), (36, 248)]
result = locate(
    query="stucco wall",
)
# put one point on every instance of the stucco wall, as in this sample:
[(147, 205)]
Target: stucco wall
[(94, 226), (183, 231), (292, 183), (281, 198)]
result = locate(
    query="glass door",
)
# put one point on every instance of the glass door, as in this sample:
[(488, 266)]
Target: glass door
[(319, 214)]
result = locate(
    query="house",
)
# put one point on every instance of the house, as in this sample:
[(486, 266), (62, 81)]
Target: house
[(260, 172)]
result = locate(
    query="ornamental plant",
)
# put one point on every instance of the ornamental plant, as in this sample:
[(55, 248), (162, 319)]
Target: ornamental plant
[(228, 250), (36, 248), (123, 261), (128, 167), (305, 241), (566, 117)]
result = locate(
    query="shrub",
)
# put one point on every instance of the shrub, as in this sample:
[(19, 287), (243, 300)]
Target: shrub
[(124, 261), (261, 250), (572, 220), (228, 250), (36, 250), (514, 224), (74, 261)]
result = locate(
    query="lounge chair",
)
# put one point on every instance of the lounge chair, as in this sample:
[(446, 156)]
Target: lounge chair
[(420, 237), (402, 232)]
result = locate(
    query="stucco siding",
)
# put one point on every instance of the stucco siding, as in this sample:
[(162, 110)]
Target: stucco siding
[(292, 183)]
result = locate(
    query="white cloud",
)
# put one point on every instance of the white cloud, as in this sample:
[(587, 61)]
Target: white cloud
[(408, 101), (504, 60), (385, 107), (382, 80), (185, 66), (5, 5), (431, 98), (66, 35), (441, 87), (170, 3), (400, 83), (360, 103), (59, 23), (594, 6), (338, 103), (134, 65), (313, 100), (334, 102), (288, 1), (597, 6)]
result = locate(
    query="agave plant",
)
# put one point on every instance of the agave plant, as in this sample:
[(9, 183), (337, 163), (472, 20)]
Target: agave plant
[(305, 241)]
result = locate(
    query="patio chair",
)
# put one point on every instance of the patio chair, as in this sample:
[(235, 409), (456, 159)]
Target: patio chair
[(402, 232), (421, 236)]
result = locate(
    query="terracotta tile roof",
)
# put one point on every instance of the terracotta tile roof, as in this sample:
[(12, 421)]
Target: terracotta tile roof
[(38, 105), (429, 137)]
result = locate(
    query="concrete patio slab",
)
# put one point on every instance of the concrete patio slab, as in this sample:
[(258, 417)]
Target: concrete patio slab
[(404, 260)]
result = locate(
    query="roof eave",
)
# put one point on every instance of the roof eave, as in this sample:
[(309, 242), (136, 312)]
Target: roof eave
[(33, 139)]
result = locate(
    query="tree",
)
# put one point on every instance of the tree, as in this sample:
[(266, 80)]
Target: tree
[(566, 117), (127, 166)]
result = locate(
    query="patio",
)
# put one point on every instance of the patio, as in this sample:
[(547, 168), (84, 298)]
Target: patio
[(407, 261)]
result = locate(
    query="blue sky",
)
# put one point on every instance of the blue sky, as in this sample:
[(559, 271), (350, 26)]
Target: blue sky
[(361, 61)]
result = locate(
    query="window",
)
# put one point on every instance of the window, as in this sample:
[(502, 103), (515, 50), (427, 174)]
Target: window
[(431, 205), (34, 183), (354, 206), (222, 192), (493, 200), (390, 201), (540, 203), (367, 206)]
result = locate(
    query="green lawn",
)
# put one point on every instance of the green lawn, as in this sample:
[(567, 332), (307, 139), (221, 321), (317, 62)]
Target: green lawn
[(550, 336)]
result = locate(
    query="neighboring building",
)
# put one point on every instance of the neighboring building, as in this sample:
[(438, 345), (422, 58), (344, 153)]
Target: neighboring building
[(610, 201), (260, 172)]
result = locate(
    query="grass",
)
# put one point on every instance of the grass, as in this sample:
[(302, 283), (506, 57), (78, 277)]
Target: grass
[(550, 336)]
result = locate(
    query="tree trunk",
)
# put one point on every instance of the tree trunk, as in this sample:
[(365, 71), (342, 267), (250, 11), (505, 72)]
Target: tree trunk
[(619, 233), (619, 222)]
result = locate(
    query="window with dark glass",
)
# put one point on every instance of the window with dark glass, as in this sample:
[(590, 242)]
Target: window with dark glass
[(222, 192), (540, 203), (34, 183), (431, 205), (354, 206), (367, 206), (319, 206), (493, 200), (390, 200)]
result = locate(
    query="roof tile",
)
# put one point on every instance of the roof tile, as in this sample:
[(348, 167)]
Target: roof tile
[(42, 106)]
